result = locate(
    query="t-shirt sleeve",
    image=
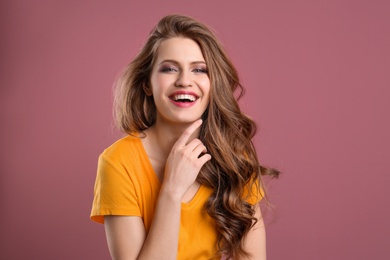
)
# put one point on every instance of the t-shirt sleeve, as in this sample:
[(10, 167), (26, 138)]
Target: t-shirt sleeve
[(114, 192), (253, 192)]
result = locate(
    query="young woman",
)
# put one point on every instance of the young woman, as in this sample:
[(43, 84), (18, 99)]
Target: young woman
[(185, 183)]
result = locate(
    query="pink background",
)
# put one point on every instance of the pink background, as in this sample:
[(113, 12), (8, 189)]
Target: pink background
[(318, 84)]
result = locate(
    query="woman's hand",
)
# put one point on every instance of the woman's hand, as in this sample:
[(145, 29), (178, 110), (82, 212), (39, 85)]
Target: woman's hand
[(184, 162)]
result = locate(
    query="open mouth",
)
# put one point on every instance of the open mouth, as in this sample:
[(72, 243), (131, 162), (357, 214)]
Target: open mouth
[(183, 98)]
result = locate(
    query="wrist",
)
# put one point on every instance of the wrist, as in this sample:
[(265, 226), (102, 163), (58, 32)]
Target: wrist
[(171, 193)]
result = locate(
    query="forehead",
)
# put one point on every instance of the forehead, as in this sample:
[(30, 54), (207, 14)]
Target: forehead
[(179, 49)]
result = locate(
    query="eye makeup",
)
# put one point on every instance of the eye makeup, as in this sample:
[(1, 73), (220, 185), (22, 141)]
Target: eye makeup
[(167, 66)]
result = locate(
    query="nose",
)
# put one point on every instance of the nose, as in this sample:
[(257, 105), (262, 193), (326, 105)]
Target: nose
[(184, 79)]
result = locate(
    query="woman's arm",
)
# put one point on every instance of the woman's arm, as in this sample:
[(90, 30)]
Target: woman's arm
[(126, 236), (255, 240)]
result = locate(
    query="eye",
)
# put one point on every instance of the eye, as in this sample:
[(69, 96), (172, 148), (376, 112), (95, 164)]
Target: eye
[(168, 69), (200, 70)]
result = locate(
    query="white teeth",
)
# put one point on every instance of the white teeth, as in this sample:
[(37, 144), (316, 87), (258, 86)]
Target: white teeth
[(183, 97)]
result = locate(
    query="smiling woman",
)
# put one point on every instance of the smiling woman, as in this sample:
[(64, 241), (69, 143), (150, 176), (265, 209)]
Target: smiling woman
[(179, 80), (185, 183)]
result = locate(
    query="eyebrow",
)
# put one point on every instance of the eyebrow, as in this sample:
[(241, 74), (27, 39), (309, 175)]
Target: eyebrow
[(177, 63)]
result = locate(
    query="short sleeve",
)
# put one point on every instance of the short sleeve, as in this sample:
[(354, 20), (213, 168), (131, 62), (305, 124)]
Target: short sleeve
[(114, 191), (253, 192)]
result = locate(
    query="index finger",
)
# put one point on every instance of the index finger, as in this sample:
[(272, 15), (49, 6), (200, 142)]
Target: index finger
[(183, 139)]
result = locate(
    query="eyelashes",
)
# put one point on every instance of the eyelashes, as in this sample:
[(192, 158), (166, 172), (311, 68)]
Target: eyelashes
[(201, 70), (171, 69), (168, 69)]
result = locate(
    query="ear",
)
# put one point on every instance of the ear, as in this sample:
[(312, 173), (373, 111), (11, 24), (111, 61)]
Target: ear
[(147, 90)]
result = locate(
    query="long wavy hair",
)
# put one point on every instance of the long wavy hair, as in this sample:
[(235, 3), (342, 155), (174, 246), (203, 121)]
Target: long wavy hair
[(234, 172)]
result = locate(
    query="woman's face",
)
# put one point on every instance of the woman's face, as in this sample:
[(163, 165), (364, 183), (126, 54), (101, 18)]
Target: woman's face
[(179, 81)]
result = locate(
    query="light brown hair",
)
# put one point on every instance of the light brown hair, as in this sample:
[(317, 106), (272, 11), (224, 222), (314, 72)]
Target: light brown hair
[(226, 132)]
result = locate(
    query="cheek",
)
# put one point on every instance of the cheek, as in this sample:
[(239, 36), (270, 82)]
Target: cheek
[(160, 83), (206, 87), (155, 84)]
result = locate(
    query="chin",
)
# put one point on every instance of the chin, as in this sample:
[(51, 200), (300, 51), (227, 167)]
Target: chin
[(182, 118), (185, 120)]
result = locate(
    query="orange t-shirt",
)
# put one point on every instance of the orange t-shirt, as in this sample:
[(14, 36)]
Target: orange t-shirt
[(127, 185)]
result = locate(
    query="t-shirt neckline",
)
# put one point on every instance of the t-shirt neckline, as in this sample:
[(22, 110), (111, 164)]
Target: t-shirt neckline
[(198, 193)]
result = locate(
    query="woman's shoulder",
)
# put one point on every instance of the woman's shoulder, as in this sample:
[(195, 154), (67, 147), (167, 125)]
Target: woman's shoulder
[(128, 145)]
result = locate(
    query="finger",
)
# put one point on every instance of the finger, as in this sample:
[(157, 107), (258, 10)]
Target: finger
[(199, 150), (203, 159), (183, 139), (193, 144)]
